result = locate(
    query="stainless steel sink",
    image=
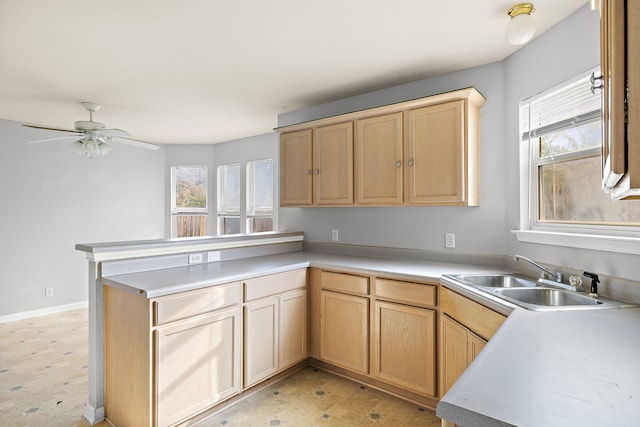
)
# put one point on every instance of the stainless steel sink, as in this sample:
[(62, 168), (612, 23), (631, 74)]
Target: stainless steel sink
[(530, 293), (546, 297), (496, 280)]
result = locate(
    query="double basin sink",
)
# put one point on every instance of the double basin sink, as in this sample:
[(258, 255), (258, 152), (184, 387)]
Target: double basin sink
[(531, 294)]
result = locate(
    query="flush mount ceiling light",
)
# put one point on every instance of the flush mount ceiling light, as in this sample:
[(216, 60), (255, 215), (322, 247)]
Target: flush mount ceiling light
[(522, 26)]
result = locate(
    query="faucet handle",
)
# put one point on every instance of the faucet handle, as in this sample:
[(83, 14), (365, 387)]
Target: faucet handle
[(594, 282)]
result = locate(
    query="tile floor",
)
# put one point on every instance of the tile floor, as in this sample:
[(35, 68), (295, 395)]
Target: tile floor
[(313, 397), (43, 382)]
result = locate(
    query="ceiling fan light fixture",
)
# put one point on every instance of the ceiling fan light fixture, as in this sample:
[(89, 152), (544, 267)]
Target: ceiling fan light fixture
[(522, 25), (104, 148), (91, 147)]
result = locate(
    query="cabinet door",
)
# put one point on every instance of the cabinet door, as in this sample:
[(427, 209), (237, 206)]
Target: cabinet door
[(333, 164), (612, 64), (293, 328), (260, 340), (435, 154), (344, 330), (295, 168), (453, 352), (378, 160), (197, 365), (476, 344), (405, 346)]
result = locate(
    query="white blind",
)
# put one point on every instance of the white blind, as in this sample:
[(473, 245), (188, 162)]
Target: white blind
[(558, 108)]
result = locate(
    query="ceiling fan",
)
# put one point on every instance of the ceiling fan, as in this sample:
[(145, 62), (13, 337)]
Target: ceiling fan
[(94, 136)]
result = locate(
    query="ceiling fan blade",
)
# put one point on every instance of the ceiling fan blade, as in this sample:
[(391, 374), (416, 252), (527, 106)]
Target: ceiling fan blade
[(134, 142), (55, 139), (48, 128), (112, 132)]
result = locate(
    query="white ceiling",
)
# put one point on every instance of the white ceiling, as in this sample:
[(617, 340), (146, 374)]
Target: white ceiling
[(207, 71)]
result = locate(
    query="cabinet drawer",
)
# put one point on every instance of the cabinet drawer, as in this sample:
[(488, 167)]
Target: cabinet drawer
[(347, 283), (274, 284), (476, 317), (193, 303), (406, 292)]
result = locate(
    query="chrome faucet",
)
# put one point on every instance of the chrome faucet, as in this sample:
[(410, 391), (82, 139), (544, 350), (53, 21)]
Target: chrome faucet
[(547, 274)]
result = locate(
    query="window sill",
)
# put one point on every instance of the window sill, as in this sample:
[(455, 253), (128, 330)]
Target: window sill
[(626, 245)]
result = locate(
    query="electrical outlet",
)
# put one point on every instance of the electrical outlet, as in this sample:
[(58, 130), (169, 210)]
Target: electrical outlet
[(334, 236), (48, 292), (195, 258), (449, 240), (213, 256)]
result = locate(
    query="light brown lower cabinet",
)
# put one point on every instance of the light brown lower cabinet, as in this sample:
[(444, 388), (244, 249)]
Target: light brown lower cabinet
[(465, 328), (344, 330), (260, 340), (405, 346), (275, 324), (459, 346), (169, 358), (197, 364)]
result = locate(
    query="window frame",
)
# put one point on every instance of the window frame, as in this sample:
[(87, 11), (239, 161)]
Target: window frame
[(251, 213), (222, 211), (610, 238), (177, 211)]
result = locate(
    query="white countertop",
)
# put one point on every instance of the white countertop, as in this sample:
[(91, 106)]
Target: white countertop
[(167, 281), (572, 368), (578, 368)]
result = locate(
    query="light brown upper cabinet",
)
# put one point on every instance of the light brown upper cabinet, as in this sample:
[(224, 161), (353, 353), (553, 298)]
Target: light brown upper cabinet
[(296, 168), (333, 164), (620, 68), (316, 166), (379, 160), (437, 159), (423, 152)]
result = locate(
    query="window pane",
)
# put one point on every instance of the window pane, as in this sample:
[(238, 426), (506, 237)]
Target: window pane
[(571, 192), (190, 187), (260, 187), (229, 188), (229, 224), (260, 224), (190, 225), (577, 138)]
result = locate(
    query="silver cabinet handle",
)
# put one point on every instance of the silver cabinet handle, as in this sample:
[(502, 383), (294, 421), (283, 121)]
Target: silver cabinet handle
[(398, 163), (597, 83), (308, 171), (316, 172), (410, 162)]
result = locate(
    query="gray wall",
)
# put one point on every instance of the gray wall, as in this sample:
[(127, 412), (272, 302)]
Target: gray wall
[(422, 227), (53, 198), (569, 48)]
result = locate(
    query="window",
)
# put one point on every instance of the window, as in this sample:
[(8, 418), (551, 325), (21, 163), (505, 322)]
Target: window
[(229, 199), (561, 139), (189, 201), (260, 196), (245, 206)]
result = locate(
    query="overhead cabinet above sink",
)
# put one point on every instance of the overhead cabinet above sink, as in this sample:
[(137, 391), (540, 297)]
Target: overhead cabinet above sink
[(423, 152)]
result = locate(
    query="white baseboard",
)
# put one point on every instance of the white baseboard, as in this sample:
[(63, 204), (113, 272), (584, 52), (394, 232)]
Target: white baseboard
[(43, 312)]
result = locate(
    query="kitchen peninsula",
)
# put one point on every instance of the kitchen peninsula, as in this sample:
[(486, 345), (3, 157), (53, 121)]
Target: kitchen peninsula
[(159, 270)]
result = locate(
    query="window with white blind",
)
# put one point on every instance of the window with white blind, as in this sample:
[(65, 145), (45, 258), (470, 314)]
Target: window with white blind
[(245, 206), (561, 140), (229, 198), (259, 196)]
